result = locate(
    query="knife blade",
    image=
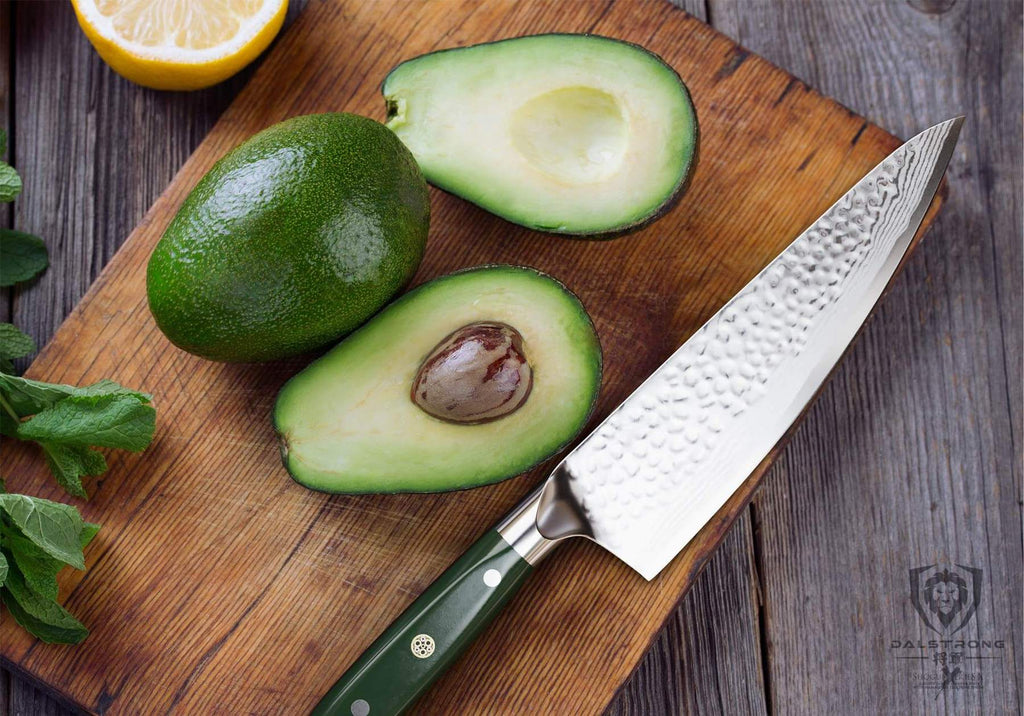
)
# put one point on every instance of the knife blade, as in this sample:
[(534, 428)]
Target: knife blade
[(645, 481), (663, 462)]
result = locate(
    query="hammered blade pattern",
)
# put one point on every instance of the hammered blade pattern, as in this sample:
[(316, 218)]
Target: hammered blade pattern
[(663, 463)]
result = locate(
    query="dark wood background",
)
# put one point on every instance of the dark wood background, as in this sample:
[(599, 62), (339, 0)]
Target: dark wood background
[(911, 456)]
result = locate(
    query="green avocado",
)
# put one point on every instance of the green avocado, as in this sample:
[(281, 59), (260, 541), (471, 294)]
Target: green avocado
[(572, 134), (292, 239), (363, 417)]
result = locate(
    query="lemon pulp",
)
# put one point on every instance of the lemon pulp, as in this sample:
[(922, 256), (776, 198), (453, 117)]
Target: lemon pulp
[(179, 44)]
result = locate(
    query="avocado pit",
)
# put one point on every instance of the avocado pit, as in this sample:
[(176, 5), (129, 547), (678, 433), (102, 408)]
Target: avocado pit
[(476, 374)]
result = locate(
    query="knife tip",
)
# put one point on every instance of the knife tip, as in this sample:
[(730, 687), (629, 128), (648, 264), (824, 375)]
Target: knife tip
[(956, 123)]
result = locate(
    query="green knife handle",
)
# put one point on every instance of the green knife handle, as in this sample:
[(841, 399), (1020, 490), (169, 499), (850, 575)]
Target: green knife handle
[(430, 634)]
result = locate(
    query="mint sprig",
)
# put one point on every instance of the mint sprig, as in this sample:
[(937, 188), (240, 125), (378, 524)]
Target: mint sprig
[(13, 344), (37, 539), (69, 423)]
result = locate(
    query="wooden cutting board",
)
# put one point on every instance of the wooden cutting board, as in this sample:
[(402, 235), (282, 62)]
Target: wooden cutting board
[(218, 585)]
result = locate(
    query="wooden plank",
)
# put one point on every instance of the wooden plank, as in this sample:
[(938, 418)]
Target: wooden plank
[(707, 660), (29, 699), (6, 211), (913, 454)]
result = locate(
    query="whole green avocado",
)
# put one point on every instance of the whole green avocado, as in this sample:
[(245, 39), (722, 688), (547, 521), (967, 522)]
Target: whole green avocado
[(292, 240)]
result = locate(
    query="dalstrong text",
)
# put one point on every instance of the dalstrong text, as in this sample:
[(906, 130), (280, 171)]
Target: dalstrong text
[(947, 644)]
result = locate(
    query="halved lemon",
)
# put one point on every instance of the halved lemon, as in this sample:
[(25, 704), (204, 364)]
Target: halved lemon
[(179, 44)]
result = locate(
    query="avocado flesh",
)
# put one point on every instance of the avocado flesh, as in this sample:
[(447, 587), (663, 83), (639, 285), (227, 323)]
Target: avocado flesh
[(293, 239), (347, 423), (573, 134)]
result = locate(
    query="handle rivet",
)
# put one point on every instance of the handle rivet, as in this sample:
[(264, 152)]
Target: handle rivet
[(422, 646), (360, 707), (492, 578)]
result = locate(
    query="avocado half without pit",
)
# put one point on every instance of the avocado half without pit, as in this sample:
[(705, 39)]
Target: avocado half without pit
[(572, 134), (469, 379)]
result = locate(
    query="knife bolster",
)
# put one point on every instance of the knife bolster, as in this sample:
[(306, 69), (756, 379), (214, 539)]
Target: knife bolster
[(559, 514), (519, 530)]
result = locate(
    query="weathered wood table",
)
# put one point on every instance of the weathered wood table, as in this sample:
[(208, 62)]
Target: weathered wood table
[(911, 457)]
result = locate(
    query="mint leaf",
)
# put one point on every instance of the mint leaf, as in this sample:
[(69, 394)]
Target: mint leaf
[(89, 530), (69, 463), (107, 387), (10, 182), (37, 568), (42, 617), (13, 344), (53, 527), (67, 422), (28, 397), (118, 421), (32, 530), (22, 255), (32, 396)]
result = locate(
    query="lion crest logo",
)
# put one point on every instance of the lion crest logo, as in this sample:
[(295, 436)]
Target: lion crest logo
[(945, 598)]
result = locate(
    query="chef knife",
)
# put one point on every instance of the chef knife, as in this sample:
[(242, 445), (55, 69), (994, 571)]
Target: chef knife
[(665, 461)]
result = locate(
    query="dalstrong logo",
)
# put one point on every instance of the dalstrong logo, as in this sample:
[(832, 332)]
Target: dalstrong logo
[(946, 599)]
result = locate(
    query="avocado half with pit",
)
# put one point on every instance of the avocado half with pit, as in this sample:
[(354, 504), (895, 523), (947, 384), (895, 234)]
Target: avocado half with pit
[(467, 380), (572, 134)]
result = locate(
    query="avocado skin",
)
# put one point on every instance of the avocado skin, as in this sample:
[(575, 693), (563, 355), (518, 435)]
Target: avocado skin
[(670, 201), (292, 239), (592, 360)]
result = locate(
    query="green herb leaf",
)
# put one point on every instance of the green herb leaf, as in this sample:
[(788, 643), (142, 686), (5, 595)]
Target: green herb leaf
[(69, 463), (118, 421), (89, 530), (3, 142), (42, 617), (22, 256), (29, 397), (37, 539), (107, 387), (10, 182), (53, 527), (67, 421), (13, 344), (37, 568)]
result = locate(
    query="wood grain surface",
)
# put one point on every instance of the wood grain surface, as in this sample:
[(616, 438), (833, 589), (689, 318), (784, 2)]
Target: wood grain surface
[(710, 658)]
